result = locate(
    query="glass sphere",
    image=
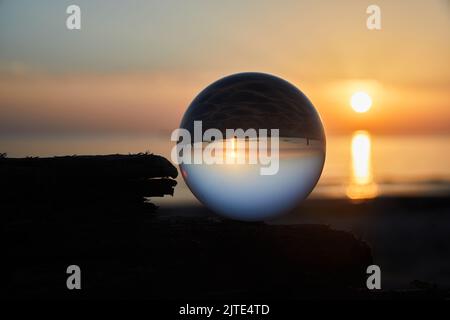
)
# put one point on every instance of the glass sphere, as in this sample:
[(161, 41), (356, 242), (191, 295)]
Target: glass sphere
[(286, 168)]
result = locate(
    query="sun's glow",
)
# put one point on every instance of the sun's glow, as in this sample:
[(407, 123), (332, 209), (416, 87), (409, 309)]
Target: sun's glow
[(362, 185), (232, 152), (361, 102), (361, 152)]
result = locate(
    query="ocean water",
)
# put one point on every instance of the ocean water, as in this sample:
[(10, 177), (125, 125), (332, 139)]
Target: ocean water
[(359, 165)]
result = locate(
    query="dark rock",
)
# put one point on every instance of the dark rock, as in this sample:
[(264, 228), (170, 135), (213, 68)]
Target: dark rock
[(91, 211), (187, 258)]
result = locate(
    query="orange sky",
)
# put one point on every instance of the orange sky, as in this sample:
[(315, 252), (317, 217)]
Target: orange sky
[(137, 73)]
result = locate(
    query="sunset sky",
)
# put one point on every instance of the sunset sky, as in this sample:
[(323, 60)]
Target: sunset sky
[(135, 66)]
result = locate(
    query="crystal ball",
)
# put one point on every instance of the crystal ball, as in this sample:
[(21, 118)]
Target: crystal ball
[(253, 146)]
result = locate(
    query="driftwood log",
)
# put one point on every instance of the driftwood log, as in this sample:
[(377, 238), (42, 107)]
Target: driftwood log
[(41, 187)]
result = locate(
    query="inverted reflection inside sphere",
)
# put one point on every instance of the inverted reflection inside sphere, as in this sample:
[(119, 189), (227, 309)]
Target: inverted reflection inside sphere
[(239, 188)]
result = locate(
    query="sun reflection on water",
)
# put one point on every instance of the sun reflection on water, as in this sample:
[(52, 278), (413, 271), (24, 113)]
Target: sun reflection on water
[(362, 185)]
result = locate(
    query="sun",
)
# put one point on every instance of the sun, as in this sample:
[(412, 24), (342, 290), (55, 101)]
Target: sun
[(361, 102)]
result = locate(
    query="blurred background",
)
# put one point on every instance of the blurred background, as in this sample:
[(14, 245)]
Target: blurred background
[(122, 83)]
